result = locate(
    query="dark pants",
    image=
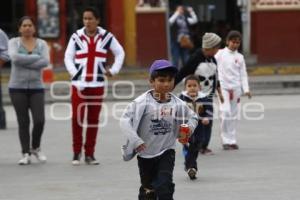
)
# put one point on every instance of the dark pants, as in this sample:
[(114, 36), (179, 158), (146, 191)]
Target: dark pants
[(24, 102), (157, 174), (2, 111), (206, 135), (198, 140)]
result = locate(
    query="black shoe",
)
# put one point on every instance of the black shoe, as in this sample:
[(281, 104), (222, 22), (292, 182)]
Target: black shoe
[(206, 151), (90, 160), (2, 119), (150, 195), (147, 194), (234, 146), (192, 173), (227, 147), (76, 159)]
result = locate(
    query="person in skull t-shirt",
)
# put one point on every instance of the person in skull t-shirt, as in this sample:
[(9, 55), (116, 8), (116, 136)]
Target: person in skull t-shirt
[(203, 64)]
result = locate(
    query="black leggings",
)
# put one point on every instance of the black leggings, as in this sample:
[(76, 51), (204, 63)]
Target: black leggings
[(24, 102)]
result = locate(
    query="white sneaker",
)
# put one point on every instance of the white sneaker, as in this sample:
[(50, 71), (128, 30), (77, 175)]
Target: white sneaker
[(75, 162), (25, 160), (40, 156), (76, 159), (192, 173)]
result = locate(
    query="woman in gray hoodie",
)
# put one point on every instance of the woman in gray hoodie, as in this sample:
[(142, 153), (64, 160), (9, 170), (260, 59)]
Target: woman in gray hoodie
[(29, 55)]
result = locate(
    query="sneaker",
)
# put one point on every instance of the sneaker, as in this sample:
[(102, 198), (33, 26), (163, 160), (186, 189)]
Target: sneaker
[(90, 160), (76, 159), (206, 152), (25, 160), (192, 173), (40, 156), (150, 194), (234, 146)]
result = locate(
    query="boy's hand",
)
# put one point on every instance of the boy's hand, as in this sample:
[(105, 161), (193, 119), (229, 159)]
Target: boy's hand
[(248, 94), (205, 121), (140, 148), (221, 98)]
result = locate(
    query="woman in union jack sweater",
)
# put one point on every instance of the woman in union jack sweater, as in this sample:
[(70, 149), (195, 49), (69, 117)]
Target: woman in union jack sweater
[(85, 60)]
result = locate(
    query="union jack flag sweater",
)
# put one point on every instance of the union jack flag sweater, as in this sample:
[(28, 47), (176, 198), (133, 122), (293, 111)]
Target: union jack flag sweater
[(85, 57)]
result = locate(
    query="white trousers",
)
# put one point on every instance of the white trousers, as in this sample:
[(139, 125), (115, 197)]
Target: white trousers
[(229, 114)]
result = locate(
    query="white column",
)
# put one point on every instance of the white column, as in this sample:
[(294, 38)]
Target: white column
[(245, 6)]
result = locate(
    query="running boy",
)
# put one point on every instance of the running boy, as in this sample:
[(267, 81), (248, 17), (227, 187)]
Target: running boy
[(201, 105), (234, 82), (151, 123)]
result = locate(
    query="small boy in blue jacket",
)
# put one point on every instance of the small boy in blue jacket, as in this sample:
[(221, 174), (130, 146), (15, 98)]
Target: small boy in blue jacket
[(200, 138)]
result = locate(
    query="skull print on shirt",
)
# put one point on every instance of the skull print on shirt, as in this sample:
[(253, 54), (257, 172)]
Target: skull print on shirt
[(207, 73)]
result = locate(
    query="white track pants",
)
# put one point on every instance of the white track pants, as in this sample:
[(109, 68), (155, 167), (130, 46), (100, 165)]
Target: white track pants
[(229, 113)]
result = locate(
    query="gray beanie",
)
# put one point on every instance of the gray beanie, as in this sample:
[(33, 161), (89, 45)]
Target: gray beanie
[(210, 40)]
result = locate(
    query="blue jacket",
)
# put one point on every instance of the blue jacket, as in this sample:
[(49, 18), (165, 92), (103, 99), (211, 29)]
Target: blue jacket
[(202, 105)]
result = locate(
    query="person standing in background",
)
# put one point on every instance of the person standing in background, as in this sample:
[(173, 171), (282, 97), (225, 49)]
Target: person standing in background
[(181, 42), (29, 55), (234, 82), (85, 60), (3, 58)]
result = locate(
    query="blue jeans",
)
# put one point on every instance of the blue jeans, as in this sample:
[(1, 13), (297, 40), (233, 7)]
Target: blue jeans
[(178, 54)]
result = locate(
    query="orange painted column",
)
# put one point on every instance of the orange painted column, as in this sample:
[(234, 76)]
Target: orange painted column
[(130, 32)]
